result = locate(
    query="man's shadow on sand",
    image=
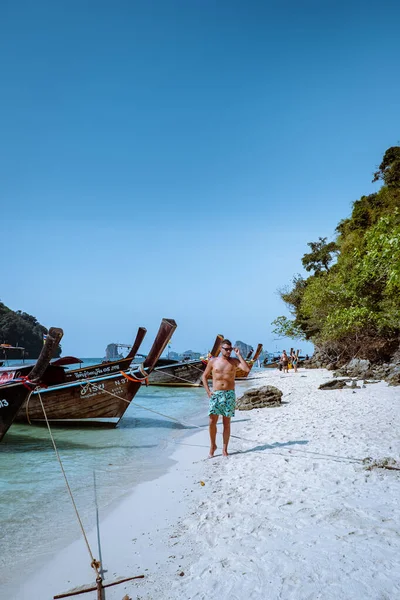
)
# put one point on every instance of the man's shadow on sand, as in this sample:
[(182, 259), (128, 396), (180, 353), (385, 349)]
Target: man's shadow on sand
[(273, 446)]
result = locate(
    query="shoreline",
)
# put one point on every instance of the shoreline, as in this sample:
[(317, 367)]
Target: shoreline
[(38, 568), (98, 454), (291, 513), (153, 502), (39, 564)]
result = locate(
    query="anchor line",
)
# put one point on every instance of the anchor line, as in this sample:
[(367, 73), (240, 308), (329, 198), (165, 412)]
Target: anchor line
[(95, 564), (237, 437)]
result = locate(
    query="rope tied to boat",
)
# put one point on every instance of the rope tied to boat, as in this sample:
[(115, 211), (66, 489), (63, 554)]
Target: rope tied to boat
[(141, 369), (156, 412), (237, 437), (95, 564), (26, 382), (144, 379), (164, 371), (143, 407)]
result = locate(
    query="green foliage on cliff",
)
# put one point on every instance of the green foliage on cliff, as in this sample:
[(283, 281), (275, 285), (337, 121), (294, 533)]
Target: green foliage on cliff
[(21, 329), (351, 306)]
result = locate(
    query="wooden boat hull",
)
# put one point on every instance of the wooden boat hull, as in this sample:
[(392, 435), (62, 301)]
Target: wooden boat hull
[(181, 374), (14, 393), (98, 400), (275, 365), (240, 374), (12, 397), (101, 400)]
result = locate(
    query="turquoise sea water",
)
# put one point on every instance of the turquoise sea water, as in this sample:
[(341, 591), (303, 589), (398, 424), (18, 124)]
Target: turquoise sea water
[(102, 465)]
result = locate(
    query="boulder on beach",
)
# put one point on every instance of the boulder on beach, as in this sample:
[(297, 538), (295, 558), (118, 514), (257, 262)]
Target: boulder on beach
[(263, 397)]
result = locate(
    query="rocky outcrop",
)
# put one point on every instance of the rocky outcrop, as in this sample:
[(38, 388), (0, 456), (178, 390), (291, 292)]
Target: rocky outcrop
[(244, 348), (263, 397), (393, 375), (362, 368), (356, 367), (387, 368), (23, 330)]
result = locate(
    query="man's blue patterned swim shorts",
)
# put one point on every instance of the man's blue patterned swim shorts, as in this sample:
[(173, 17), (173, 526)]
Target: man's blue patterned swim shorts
[(222, 402)]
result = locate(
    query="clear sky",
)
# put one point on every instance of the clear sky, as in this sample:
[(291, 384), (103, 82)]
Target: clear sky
[(173, 158)]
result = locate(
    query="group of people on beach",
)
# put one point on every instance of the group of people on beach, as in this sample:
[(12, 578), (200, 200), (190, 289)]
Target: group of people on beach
[(286, 361)]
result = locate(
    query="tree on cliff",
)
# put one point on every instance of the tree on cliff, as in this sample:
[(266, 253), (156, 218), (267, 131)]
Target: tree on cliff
[(320, 257), (353, 307), (21, 329), (389, 169)]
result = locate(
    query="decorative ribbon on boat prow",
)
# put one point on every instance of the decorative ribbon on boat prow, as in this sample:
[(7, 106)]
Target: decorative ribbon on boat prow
[(144, 379)]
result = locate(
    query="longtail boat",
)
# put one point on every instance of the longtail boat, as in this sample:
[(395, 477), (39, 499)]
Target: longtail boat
[(98, 399), (56, 373), (182, 374), (240, 374), (273, 364), (14, 393)]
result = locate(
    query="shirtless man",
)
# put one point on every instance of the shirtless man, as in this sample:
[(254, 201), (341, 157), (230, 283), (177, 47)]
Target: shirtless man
[(222, 398)]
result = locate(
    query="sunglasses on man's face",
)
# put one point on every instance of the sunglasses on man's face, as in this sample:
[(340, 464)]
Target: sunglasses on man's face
[(225, 348)]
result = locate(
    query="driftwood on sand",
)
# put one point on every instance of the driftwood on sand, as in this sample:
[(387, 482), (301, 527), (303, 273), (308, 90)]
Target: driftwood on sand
[(339, 384)]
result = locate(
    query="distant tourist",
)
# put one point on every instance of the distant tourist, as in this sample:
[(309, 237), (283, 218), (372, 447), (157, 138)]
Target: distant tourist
[(222, 398), (307, 357), (285, 361), (295, 361)]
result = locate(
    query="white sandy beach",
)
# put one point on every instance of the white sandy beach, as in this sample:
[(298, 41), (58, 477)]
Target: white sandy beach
[(291, 514)]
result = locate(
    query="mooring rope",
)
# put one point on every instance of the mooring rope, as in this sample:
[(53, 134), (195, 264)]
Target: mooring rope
[(27, 407), (144, 380), (237, 437), (94, 563), (192, 425), (177, 377), (167, 416), (163, 414), (146, 408)]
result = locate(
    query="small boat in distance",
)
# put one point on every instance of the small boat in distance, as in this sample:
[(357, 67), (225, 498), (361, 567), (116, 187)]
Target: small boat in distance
[(97, 398), (14, 393)]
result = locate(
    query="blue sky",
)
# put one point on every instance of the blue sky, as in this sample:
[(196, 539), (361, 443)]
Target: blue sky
[(173, 158)]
